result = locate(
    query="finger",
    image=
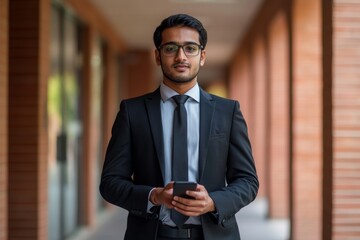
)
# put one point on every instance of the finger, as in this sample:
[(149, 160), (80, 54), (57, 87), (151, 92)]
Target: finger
[(190, 205), (170, 185), (189, 211), (167, 193), (184, 201), (200, 188), (198, 195)]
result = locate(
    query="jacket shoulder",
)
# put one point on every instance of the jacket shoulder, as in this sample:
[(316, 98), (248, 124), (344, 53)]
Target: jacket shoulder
[(139, 99), (222, 100)]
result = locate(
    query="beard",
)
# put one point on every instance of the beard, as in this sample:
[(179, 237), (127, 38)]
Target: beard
[(177, 78)]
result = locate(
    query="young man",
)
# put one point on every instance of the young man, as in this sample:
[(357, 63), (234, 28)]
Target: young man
[(146, 154)]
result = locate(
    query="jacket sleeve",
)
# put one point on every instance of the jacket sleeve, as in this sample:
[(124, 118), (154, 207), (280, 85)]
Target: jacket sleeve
[(116, 185), (242, 182)]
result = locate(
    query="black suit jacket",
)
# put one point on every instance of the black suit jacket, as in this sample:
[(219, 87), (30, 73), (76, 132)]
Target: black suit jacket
[(134, 164)]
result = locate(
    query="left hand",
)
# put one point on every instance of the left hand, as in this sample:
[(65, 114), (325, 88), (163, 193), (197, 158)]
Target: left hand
[(201, 204)]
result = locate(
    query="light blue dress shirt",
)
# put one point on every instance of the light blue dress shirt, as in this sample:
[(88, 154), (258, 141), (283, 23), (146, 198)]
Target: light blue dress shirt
[(192, 105)]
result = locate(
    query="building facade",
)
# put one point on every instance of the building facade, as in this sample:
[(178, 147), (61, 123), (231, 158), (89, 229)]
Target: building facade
[(64, 71)]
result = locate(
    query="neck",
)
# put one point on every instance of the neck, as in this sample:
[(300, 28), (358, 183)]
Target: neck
[(180, 88)]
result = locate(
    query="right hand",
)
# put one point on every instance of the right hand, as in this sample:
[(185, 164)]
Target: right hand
[(163, 196)]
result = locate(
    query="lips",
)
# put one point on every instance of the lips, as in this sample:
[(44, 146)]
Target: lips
[(181, 66)]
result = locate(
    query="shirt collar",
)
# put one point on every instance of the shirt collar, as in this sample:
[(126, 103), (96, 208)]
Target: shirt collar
[(167, 93)]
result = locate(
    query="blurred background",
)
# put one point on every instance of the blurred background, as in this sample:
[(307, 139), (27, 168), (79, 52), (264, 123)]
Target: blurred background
[(294, 65)]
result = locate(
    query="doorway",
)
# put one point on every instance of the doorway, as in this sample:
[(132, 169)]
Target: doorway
[(64, 123)]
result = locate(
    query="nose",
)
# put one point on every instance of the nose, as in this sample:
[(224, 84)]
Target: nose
[(180, 55)]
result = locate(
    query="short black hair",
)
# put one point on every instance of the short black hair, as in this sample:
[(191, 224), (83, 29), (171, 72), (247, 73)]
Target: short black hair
[(180, 20)]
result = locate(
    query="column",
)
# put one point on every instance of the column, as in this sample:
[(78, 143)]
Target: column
[(307, 132), (28, 72), (3, 116)]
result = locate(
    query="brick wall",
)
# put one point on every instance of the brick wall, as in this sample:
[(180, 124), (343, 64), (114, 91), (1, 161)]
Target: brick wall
[(3, 116), (307, 120), (256, 64), (239, 87), (280, 117), (44, 69), (139, 73), (88, 207), (316, 46), (346, 122), (110, 93), (260, 102), (28, 64)]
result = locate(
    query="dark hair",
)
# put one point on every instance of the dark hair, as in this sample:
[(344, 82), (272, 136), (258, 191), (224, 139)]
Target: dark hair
[(180, 20)]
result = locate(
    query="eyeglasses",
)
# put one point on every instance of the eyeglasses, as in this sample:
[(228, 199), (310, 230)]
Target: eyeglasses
[(171, 49)]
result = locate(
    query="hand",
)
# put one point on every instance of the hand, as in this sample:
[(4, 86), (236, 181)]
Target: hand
[(201, 204), (163, 196)]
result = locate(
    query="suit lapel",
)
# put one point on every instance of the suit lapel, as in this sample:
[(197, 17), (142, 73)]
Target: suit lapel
[(154, 113), (207, 106)]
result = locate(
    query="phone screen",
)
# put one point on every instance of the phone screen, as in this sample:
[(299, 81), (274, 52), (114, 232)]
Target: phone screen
[(180, 188)]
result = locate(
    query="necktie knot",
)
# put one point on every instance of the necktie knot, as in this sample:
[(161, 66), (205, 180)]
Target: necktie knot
[(180, 99)]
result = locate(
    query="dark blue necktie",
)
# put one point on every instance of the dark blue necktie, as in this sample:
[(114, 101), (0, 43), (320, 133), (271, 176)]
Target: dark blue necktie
[(180, 151)]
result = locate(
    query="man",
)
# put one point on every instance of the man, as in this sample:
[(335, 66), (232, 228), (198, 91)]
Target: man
[(143, 154)]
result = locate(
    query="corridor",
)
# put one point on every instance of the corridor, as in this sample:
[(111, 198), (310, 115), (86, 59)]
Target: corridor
[(252, 222), (293, 65)]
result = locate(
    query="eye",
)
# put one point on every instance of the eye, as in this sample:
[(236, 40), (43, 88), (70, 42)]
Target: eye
[(170, 48), (191, 48)]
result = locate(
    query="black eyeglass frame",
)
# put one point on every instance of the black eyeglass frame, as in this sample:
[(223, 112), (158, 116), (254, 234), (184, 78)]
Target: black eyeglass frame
[(201, 48)]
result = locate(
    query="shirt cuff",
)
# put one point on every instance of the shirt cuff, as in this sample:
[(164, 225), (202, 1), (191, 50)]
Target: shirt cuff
[(150, 206)]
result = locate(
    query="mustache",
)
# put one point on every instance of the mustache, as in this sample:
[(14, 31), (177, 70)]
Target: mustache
[(181, 64)]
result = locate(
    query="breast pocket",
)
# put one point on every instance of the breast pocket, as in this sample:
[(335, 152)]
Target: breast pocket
[(218, 147), (218, 136)]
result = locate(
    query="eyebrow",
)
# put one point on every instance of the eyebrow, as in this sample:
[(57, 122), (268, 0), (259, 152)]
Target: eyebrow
[(177, 43)]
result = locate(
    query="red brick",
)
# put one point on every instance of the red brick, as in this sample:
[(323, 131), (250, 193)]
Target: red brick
[(307, 114), (259, 98), (26, 41), (346, 216), (279, 137), (3, 116)]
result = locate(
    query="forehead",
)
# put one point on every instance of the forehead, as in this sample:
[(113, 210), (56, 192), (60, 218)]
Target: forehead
[(180, 34)]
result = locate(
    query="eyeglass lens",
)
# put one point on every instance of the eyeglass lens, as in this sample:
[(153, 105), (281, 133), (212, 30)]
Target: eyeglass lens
[(189, 49)]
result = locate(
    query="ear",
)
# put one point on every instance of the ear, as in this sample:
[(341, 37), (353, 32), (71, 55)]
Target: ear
[(202, 57), (157, 57)]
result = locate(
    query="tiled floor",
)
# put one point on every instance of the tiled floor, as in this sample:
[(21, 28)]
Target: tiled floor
[(254, 225), (252, 222)]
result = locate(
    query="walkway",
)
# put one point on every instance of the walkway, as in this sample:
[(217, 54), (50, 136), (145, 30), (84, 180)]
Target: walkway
[(251, 219)]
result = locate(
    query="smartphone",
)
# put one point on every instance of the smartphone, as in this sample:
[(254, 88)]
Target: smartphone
[(180, 187)]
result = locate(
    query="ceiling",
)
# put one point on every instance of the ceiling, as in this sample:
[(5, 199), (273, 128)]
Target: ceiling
[(225, 21)]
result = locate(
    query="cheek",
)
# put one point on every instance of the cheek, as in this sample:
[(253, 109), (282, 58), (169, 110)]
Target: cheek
[(166, 63)]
